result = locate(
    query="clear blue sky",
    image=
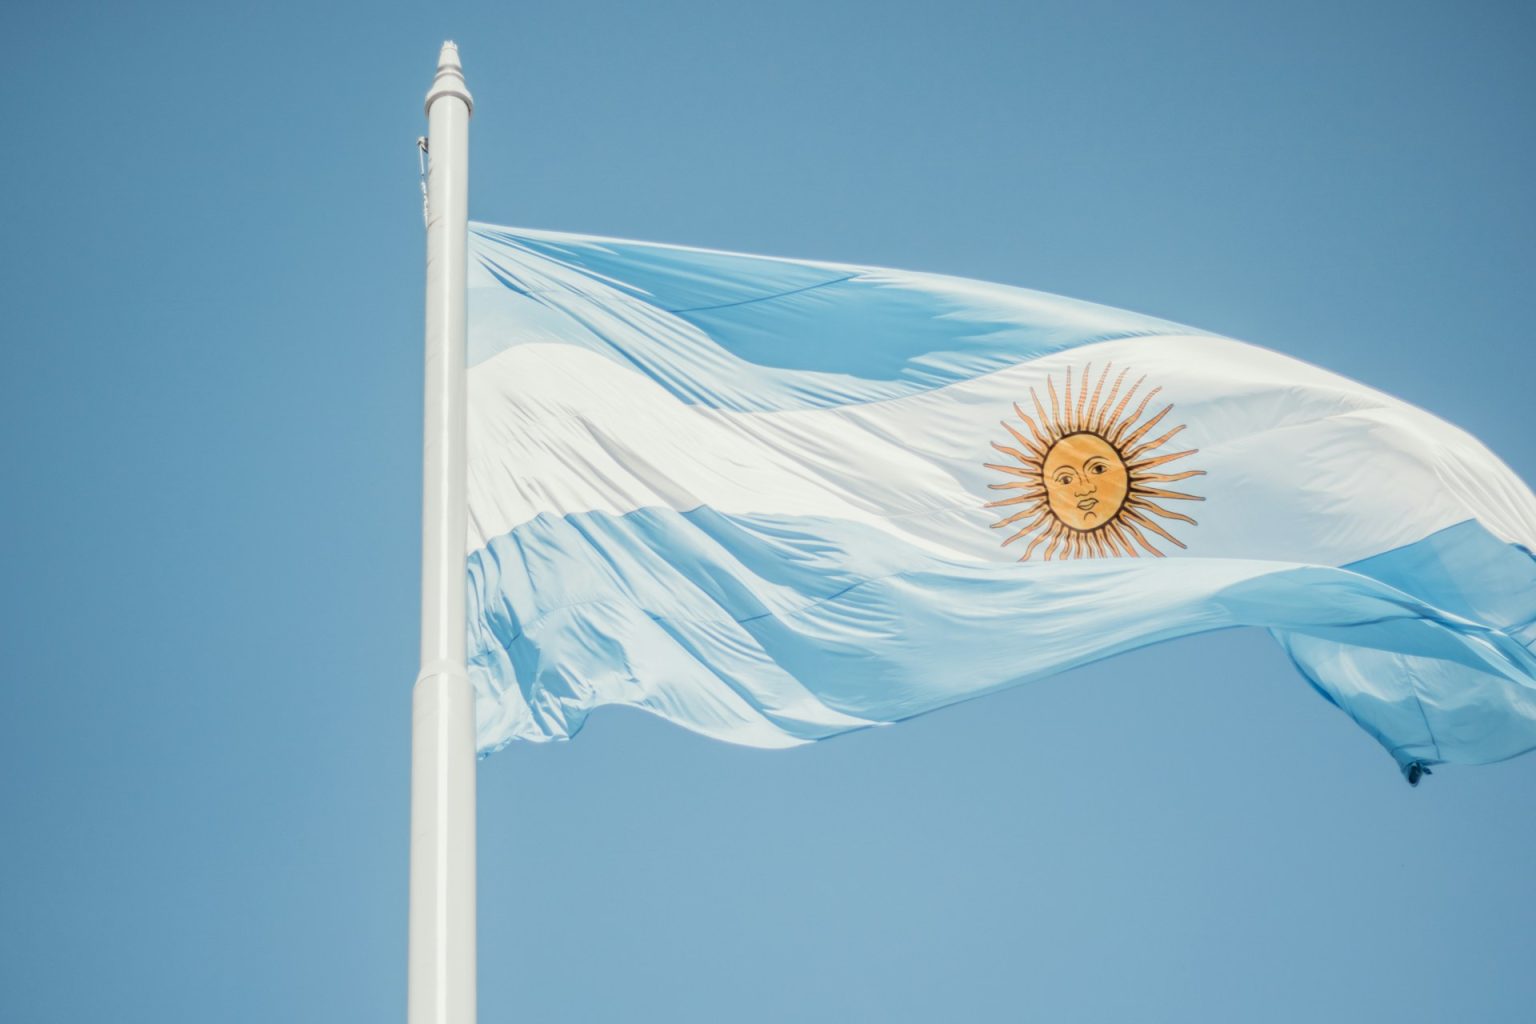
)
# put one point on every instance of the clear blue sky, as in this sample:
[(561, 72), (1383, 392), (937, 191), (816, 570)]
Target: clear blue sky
[(211, 278)]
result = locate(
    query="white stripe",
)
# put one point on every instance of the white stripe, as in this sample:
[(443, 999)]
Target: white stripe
[(1303, 465)]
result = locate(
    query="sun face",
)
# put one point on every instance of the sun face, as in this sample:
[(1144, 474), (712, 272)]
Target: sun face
[(1086, 476), (1085, 481)]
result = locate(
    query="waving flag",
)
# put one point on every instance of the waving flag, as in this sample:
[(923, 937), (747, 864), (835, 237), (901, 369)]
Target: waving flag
[(777, 500)]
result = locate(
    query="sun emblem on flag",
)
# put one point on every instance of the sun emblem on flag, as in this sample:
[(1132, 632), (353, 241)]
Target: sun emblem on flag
[(1087, 478)]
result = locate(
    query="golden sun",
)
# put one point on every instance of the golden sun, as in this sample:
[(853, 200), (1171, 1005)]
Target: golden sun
[(1085, 475)]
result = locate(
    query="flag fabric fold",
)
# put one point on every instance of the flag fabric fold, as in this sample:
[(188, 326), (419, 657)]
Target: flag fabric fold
[(776, 500)]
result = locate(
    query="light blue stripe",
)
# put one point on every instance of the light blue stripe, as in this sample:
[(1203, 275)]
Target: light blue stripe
[(1422, 646), (753, 333)]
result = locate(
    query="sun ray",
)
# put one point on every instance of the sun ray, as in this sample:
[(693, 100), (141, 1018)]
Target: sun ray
[(1036, 500), (1027, 528), (1018, 435), (1011, 469), (1015, 485), (1152, 463), (1098, 428), (1128, 528), (1022, 533), (1044, 441), (1069, 549), (1117, 542), (1046, 423), (1136, 517), (1157, 492), (1151, 506), (1097, 538), (1082, 395), (1164, 478), (1066, 404), (1150, 446), (1122, 545), (1050, 386), (1040, 539), (1056, 536), (1126, 423), (1113, 423), (1036, 505), (1032, 463), (1093, 403), (1124, 443)]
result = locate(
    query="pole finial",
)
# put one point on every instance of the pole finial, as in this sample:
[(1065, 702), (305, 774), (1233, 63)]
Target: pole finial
[(450, 78)]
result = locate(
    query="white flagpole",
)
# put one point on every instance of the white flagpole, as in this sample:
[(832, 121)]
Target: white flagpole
[(441, 976)]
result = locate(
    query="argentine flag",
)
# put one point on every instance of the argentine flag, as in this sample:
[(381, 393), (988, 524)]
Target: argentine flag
[(776, 500)]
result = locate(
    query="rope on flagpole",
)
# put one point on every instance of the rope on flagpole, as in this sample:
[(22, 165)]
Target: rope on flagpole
[(421, 160)]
